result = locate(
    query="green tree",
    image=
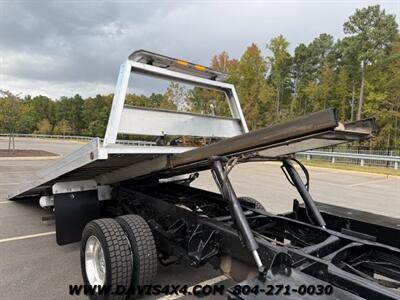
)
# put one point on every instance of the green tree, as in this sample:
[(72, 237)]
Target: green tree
[(256, 95), (373, 31), (71, 110), (176, 94), (325, 88), (95, 115), (63, 127), (347, 57), (44, 127), (209, 101), (311, 94), (321, 51), (393, 92), (280, 62), (156, 99), (10, 106), (41, 107), (300, 68), (205, 101), (382, 90), (162, 101), (311, 71), (343, 93)]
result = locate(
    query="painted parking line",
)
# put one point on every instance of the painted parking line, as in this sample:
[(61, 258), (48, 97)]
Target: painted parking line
[(190, 289), (16, 202), (17, 172), (24, 237), (369, 182), (6, 202), (23, 164)]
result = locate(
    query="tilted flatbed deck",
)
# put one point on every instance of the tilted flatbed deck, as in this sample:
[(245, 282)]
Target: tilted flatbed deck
[(115, 163), (88, 162)]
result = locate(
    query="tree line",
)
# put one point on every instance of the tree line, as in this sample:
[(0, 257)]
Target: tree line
[(358, 74)]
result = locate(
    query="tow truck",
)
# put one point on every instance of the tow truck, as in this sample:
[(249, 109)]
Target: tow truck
[(133, 207)]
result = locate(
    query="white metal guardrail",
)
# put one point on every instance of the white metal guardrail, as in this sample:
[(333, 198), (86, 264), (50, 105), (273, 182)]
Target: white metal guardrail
[(333, 156), (77, 137), (361, 157)]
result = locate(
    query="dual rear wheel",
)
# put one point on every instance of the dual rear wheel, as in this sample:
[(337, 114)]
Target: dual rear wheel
[(117, 254)]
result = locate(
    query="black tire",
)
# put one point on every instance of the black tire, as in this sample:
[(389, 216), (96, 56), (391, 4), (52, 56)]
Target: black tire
[(252, 202), (143, 247), (117, 256)]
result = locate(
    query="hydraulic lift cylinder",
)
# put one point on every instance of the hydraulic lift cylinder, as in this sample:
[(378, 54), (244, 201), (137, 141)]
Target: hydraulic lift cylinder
[(237, 213), (304, 193)]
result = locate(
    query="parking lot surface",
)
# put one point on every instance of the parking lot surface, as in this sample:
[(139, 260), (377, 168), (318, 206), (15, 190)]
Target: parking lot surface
[(32, 266)]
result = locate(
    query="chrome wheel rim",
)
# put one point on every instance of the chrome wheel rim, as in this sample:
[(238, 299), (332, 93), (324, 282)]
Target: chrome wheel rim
[(94, 261)]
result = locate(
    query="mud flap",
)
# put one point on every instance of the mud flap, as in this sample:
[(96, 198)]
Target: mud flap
[(73, 211)]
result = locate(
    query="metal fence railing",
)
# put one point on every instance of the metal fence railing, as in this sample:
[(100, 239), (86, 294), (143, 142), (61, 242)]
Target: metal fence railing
[(377, 158), (77, 137)]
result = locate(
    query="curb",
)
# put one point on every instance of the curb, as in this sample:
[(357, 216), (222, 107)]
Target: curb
[(354, 172), (346, 171), (31, 157), (77, 141)]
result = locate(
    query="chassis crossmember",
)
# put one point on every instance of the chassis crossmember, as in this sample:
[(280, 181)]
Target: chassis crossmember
[(259, 249)]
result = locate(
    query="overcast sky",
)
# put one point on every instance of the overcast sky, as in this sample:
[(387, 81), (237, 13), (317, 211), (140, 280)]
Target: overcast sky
[(66, 47)]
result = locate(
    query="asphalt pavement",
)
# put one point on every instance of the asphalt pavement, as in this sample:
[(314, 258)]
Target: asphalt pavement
[(32, 266)]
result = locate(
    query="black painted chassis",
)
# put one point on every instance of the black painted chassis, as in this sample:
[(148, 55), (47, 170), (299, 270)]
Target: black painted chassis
[(361, 260)]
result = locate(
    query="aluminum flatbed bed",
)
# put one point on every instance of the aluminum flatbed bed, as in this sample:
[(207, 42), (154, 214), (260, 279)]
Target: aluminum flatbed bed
[(115, 163)]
